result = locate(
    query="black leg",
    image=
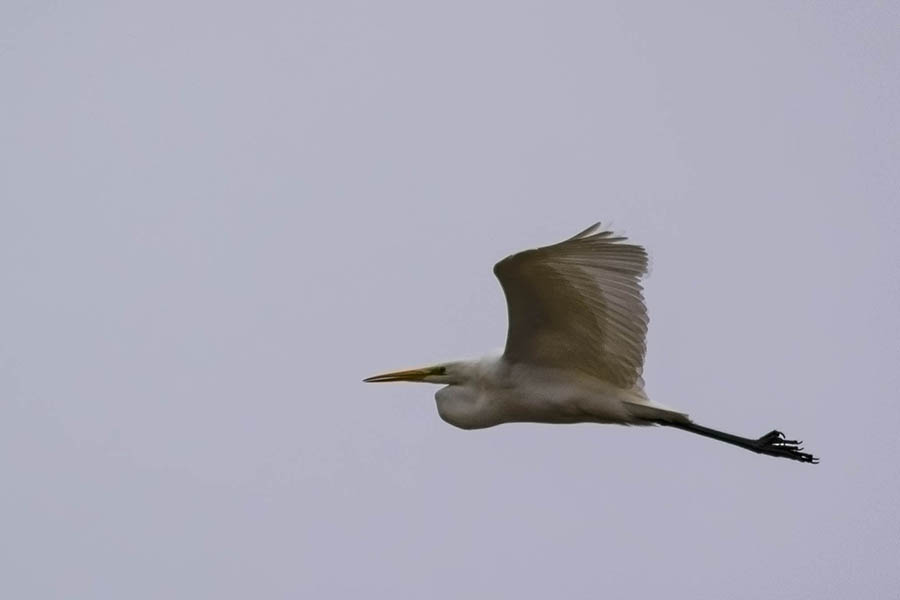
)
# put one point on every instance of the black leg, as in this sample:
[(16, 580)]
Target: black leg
[(772, 444)]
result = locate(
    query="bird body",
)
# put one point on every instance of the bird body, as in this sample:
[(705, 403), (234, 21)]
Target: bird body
[(574, 348), (492, 390)]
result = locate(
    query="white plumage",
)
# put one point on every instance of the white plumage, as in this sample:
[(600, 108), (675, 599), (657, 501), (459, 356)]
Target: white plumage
[(574, 348)]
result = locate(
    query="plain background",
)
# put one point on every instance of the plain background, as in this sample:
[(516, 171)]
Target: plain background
[(217, 218)]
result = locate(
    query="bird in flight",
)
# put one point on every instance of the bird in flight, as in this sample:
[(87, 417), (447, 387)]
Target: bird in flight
[(574, 348)]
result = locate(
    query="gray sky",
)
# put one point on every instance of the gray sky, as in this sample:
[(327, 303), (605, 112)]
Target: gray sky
[(217, 218)]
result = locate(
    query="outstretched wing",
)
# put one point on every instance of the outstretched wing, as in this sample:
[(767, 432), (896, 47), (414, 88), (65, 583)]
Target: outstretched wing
[(578, 305)]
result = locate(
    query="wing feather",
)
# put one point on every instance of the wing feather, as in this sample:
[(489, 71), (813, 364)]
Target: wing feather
[(578, 305)]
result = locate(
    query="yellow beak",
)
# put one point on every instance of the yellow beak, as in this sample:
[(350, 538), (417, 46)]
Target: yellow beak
[(410, 375)]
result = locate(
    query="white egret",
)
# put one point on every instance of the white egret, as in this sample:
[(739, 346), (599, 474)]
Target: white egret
[(574, 348)]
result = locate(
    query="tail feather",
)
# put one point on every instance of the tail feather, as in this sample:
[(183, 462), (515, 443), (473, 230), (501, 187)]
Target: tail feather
[(645, 409)]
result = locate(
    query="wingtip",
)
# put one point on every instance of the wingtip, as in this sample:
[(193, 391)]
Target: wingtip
[(593, 228)]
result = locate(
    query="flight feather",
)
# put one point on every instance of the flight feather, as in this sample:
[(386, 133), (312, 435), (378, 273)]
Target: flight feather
[(578, 305)]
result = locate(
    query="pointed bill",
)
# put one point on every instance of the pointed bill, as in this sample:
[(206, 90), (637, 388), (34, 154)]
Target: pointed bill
[(409, 375)]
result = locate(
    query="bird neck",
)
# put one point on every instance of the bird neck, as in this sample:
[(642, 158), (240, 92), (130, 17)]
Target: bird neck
[(469, 402)]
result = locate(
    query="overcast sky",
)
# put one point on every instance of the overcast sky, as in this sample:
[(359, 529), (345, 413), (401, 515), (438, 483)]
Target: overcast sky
[(217, 218)]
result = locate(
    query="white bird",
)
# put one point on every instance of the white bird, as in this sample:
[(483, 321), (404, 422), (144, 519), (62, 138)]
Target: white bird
[(574, 348)]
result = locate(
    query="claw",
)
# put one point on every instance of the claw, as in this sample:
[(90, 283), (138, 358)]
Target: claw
[(775, 444)]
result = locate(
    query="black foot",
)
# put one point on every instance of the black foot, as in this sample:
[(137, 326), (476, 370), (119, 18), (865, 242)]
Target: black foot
[(774, 444)]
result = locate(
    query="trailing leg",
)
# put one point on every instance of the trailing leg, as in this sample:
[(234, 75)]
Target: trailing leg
[(772, 443)]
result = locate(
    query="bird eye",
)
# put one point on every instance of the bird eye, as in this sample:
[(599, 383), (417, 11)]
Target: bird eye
[(439, 370)]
